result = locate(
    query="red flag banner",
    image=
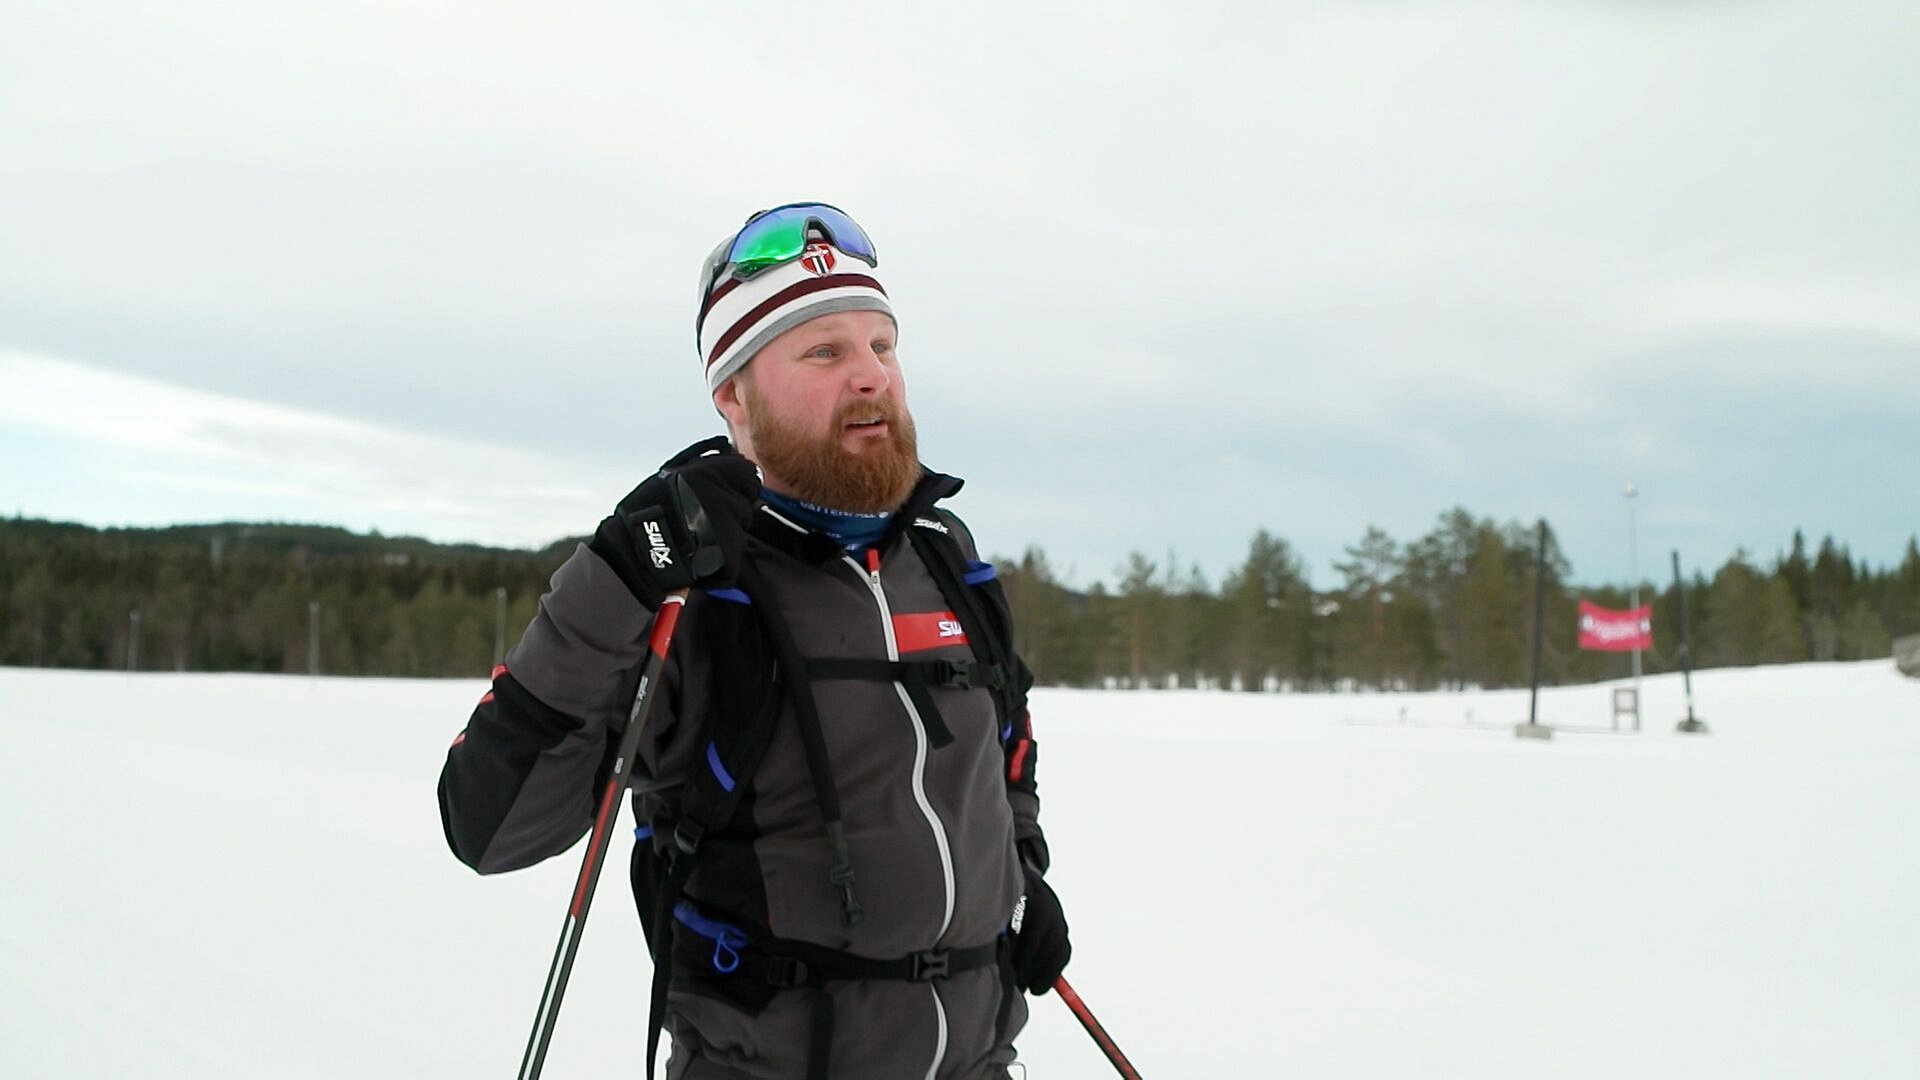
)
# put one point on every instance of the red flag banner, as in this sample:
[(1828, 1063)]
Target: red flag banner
[(1615, 631)]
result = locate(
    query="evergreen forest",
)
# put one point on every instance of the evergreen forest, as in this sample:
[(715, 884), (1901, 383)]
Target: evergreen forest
[(1451, 608)]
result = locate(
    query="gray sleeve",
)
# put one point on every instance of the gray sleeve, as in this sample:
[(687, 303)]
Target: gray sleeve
[(584, 642), (521, 783)]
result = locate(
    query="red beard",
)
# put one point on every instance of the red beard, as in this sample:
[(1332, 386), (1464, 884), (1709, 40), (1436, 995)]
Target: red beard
[(872, 480)]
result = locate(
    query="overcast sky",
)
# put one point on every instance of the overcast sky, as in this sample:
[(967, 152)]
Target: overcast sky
[(1164, 276)]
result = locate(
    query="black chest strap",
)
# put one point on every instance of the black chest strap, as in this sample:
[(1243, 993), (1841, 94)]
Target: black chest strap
[(962, 674), (915, 676)]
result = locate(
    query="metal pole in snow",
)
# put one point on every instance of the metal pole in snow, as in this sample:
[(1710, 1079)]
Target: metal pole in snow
[(1633, 572), (1533, 729), (500, 626), (1691, 725)]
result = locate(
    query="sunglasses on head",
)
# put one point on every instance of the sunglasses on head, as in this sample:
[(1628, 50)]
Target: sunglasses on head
[(781, 235)]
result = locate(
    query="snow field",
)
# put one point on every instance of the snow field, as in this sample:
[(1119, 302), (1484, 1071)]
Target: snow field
[(214, 876)]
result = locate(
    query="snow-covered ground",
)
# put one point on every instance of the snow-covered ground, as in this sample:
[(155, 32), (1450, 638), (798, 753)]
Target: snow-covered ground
[(238, 876)]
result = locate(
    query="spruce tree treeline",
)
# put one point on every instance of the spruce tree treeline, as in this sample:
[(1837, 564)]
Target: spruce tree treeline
[(236, 597), (1451, 608)]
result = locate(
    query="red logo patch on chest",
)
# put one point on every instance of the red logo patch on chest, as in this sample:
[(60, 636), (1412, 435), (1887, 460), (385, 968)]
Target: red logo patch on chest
[(927, 630)]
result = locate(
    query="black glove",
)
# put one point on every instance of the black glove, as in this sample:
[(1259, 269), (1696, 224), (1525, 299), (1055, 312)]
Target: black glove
[(1040, 946), (686, 525)]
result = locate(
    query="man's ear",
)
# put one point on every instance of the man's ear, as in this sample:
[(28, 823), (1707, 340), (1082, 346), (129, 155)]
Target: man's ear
[(732, 405)]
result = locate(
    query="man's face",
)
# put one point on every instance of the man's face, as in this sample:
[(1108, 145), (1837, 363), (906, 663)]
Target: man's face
[(822, 409)]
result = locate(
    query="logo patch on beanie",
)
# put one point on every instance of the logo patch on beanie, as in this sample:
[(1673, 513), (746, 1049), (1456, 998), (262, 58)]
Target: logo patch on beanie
[(818, 259)]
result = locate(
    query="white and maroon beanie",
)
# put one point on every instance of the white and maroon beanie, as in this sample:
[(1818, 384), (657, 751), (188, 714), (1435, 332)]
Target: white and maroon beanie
[(738, 318)]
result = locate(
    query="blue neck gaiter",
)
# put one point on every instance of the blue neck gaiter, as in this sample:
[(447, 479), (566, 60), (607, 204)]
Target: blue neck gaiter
[(853, 531)]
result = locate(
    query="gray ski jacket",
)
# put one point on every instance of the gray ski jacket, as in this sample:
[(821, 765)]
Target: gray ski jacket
[(935, 828)]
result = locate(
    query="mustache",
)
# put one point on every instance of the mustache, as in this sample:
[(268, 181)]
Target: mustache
[(884, 408)]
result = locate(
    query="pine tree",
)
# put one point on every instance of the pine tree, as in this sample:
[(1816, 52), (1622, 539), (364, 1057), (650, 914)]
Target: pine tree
[(1902, 601), (1829, 594), (1140, 596), (1272, 608), (1492, 600), (1863, 636), (1749, 618), (1436, 569), (1370, 572), (1798, 574)]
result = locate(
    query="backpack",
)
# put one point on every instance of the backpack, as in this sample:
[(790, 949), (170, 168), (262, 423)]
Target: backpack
[(709, 824)]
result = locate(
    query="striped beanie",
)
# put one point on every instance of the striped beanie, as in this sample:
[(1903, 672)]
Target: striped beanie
[(738, 318)]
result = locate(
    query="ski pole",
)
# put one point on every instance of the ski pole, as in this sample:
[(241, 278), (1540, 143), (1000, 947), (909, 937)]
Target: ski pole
[(1100, 1037), (657, 645), (706, 558)]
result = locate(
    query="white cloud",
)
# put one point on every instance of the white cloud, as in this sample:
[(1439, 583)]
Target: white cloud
[(1143, 228), (1802, 299), (147, 436)]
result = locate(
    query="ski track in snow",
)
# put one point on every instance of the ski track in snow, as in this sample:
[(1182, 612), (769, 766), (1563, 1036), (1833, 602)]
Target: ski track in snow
[(244, 876)]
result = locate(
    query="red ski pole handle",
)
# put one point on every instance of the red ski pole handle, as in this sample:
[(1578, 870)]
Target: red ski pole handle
[(1100, 1037)]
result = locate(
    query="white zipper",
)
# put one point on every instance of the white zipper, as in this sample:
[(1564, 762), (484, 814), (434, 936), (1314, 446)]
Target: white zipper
[(940, 1043), (872, 578)]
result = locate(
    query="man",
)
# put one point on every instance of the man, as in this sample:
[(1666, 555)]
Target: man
[(842, 870)]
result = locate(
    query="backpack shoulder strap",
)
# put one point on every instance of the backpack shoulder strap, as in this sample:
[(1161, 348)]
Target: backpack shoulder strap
[(742, 710), (812, 741), (743, 707), (979, 602)]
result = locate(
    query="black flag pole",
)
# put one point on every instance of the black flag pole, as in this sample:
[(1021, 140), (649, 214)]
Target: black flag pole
[(1692, 725), (1533, 728)]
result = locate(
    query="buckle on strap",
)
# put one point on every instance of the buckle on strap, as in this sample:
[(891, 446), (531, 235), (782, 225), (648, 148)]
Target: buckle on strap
[(963, 674), (955, 673), (787, 972), (929, 965), (687, 834)]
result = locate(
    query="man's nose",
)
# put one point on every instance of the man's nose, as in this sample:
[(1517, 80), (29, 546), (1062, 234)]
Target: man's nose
[(868, 375)]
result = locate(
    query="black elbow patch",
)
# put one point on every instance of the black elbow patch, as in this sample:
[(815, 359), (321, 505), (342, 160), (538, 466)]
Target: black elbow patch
[(489, 764)]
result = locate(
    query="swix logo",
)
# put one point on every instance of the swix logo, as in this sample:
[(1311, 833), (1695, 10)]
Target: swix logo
[(928, 630), (818, 259), (929, 523), (662, 555)]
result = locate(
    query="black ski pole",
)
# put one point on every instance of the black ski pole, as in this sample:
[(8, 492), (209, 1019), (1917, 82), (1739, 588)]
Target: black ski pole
[(657, 645), (1692, 725), (1100, 1037)]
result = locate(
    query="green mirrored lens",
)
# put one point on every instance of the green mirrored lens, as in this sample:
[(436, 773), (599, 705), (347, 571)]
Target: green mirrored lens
[(761, 246)]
